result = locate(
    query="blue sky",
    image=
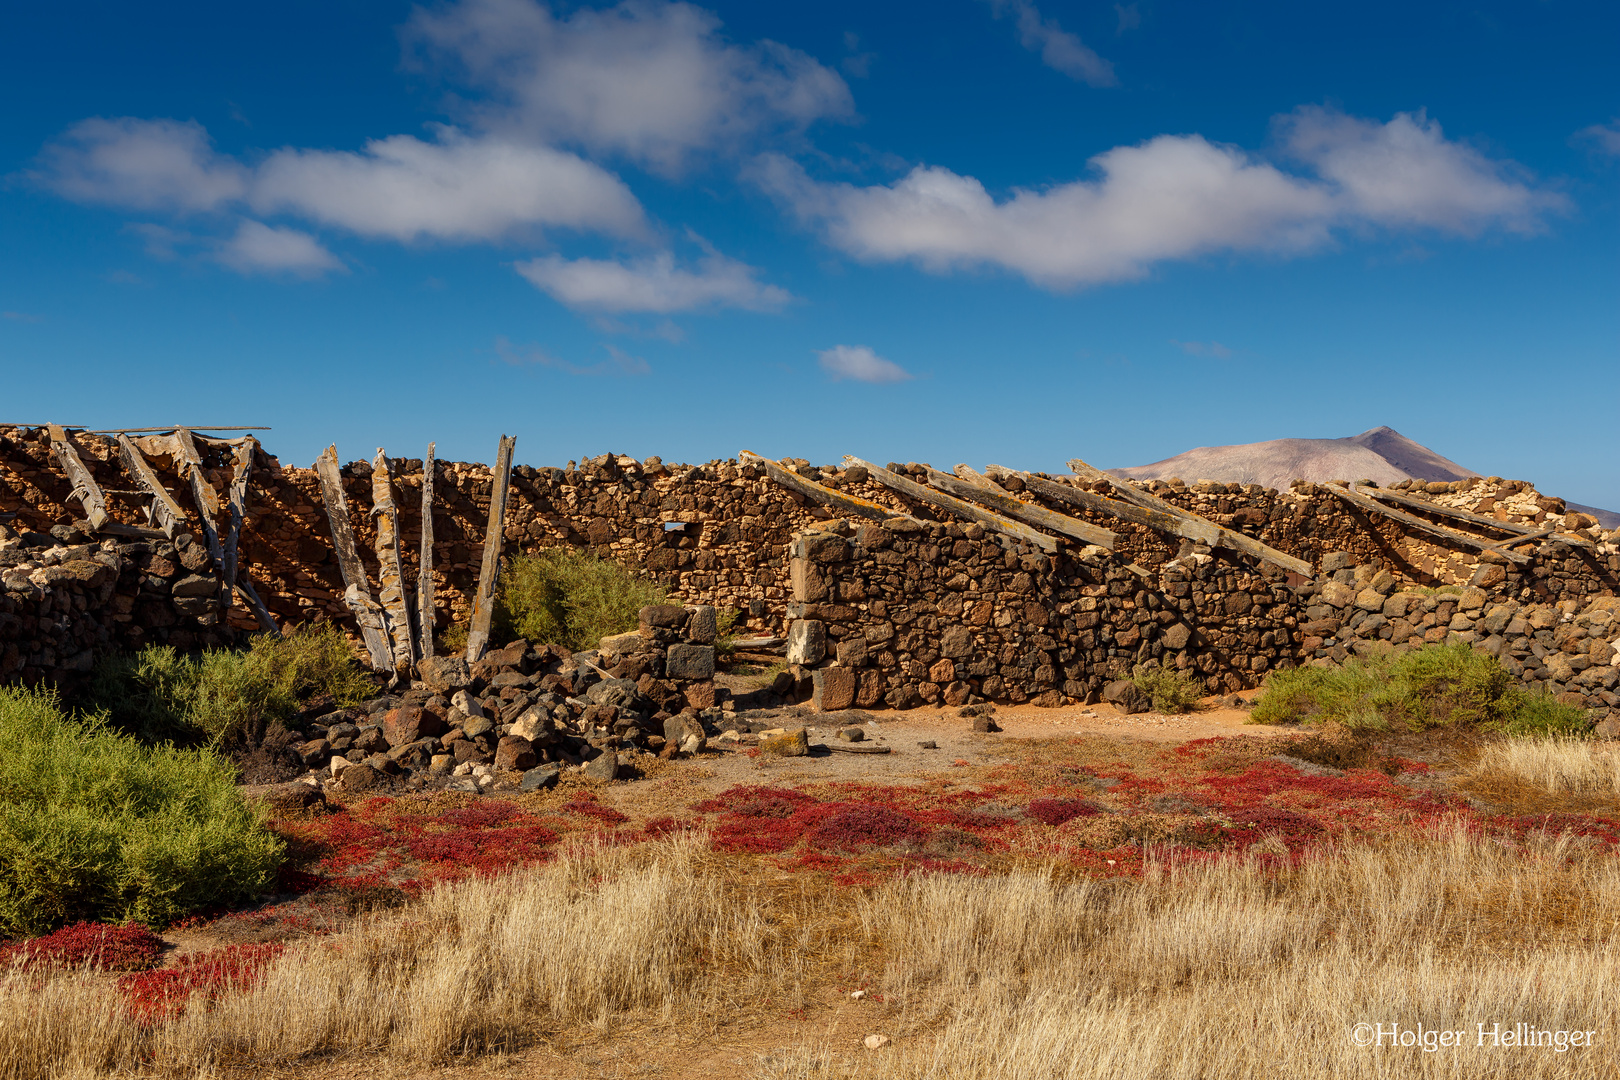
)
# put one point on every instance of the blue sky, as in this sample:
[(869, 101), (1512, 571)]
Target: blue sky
[(979, 230)]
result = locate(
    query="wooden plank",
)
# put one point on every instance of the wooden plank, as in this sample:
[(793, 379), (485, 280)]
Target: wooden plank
[(484, 601), (241, 468), (1226, 538), (1524, 538), (166, 513), (144, 430), (84, 485), (1471, 518), (391, 573), (1004, 503), (202, 494), (134, 532), (826, 496), (1087, 500), (951, 503), (425, 619), (1355, 498), (356, 590)]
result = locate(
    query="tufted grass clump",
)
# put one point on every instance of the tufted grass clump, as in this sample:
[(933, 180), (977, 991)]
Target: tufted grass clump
[(97, 825), (1434, 686)]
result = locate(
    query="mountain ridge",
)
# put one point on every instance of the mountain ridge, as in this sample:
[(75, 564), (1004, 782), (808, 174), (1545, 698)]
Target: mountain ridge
[(1381, 454)]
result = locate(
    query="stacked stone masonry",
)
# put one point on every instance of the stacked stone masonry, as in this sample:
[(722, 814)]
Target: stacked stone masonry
[(904, 613)]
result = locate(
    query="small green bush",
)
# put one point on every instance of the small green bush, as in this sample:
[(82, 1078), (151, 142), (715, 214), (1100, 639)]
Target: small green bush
[(96, 825), (1171, 691), (1428, 687), (219, 695), (565, 596), (725, 630)]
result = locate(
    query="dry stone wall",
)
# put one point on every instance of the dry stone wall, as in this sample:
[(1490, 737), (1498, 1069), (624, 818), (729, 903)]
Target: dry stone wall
[(903, 612)]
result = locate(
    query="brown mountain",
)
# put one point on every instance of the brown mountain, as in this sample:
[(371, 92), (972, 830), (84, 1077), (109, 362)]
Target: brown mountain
[(1382, 455)]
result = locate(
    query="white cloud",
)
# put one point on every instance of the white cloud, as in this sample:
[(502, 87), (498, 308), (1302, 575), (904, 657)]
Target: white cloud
[(618, 362), (1405, 174), (1173, 197), (458, 188), (860, 363), (140, 164), (1059, 49), (652, 284), (653, 81), (260, 248), (455, 188), (1203, 348), (1604, 137)]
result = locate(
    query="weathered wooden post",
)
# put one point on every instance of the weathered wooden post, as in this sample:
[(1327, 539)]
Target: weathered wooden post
[(391, 582), (484, 603), (424, 576), (357, 591)]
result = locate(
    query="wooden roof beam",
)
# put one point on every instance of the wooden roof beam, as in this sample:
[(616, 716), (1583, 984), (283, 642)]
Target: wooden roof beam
[(1440, 532), (950, 503), (1002, 502), (826, 496)]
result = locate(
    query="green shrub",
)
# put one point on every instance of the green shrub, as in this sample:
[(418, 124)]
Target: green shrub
[(725, 630), (96, 825), (1171, 691), (219, 695), (1431, 686), (565, 596)]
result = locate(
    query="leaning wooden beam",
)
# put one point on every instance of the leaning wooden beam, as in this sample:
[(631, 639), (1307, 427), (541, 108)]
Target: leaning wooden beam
[(1085, 500), (914, 490), (1522, 538), (424, 577), (1417, 524), (255, 605), (484, 602), (1226, 538), (391, 576), (166, 513), (826, 496), (241, 468), (84, 485), (1018, 510), (1473, 519), (203, 494), (356, 590)]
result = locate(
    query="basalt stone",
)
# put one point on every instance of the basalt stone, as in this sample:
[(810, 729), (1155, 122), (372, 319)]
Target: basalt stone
[(689, 662), (833, 689), (1127, 697), (604, 766), (515, 754), (540, 778)]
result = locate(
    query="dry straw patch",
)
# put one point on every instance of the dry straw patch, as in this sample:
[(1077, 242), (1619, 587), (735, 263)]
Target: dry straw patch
[(1558, 766), (1207, 968)]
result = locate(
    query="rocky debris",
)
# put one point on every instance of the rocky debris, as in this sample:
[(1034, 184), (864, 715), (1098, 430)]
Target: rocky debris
[(852, 734)]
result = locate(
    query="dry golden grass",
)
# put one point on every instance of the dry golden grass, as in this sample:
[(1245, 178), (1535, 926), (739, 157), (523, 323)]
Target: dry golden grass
[(1225, 968), (1558, 766)]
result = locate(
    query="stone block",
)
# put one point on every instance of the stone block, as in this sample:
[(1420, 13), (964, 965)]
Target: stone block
[(687, 662), (833, 689), (701, 626), (515, 754), (662, 617), (788, 744), (807, 641)]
